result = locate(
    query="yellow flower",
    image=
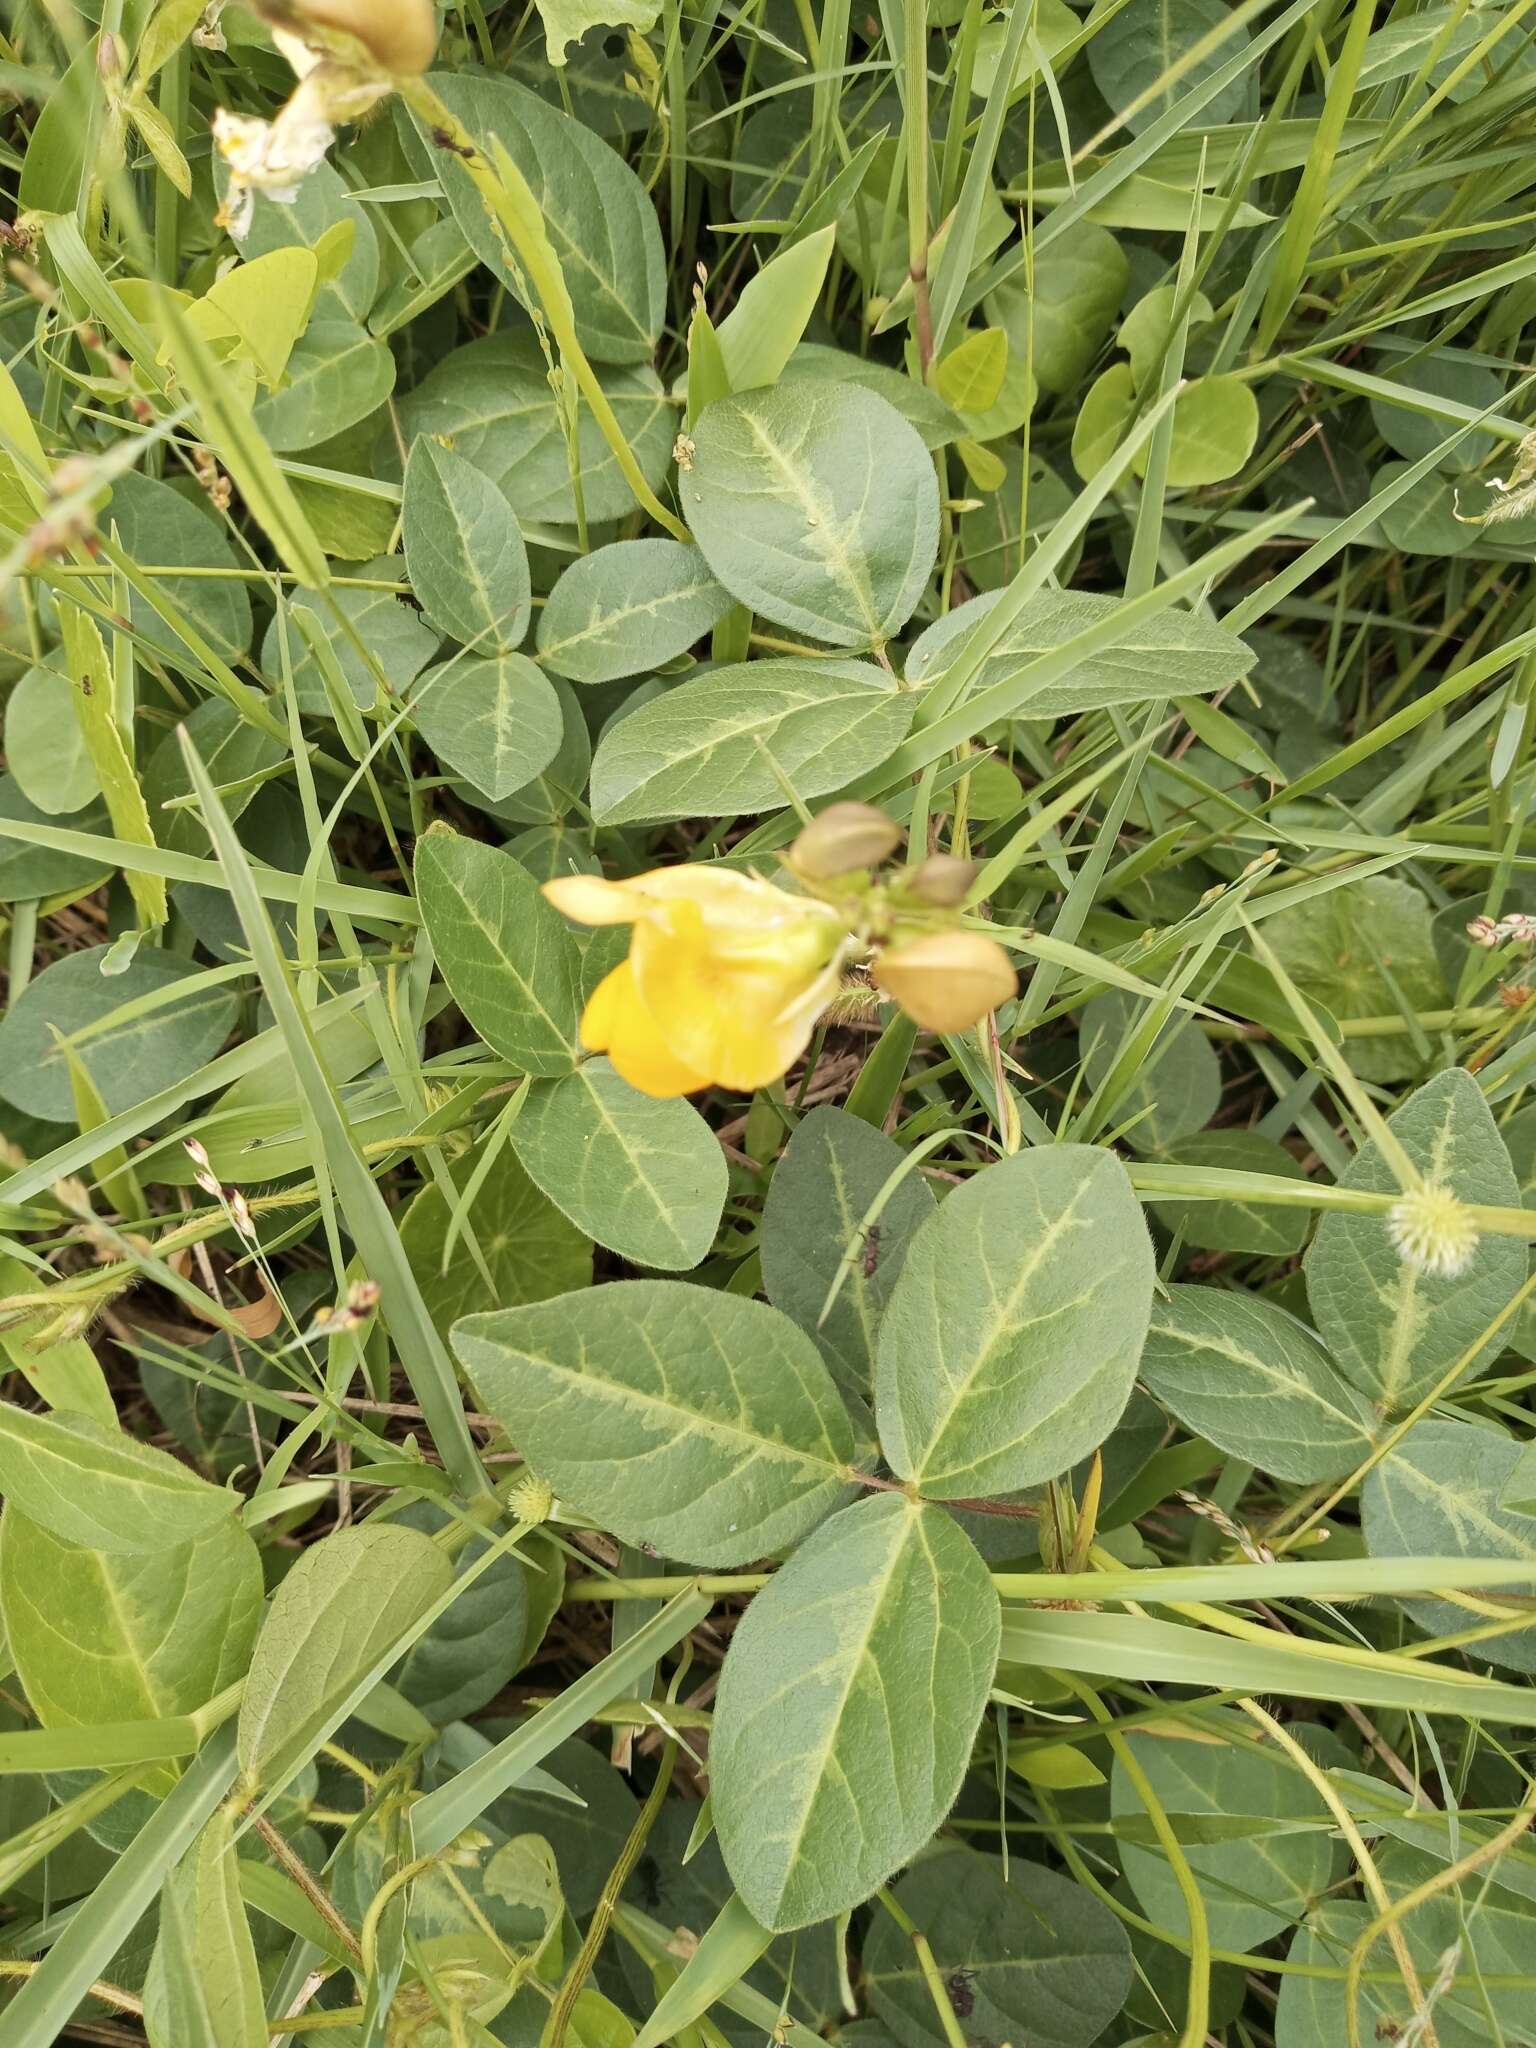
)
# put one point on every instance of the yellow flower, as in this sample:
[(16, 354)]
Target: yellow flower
[(725, 978)]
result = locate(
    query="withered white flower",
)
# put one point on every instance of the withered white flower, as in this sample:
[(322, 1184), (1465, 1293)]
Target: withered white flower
[(337, 83)]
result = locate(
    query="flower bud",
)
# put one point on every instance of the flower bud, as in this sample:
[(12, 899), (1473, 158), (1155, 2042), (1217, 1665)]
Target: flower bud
[(845, 837), (532, 1499), (1433, 1231), (943, 881), (946, 981), (401, 35)]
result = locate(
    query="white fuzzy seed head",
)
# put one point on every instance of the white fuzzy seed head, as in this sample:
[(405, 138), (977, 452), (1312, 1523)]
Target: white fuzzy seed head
[(1433, 1231)]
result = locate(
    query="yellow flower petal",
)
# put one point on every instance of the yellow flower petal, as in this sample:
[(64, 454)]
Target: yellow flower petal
[(735, 1011), (617, 1022), (588, 899)]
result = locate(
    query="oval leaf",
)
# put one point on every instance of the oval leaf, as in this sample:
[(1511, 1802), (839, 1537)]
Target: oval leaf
[(91, 1485), (204, 1984), (599, 219), (497, 721), (332, 1619), (817, 506), (1253, 1381), (730, 741), (848, 1703), (830, 1173), (1042, 1960), (1010, 1344), (508, 958), (631, 1402), (627, 608), (464, 551), (645, 1178), (1393, 1329), (1170, 654)]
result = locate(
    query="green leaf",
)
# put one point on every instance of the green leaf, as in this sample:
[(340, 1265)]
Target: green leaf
[(631, 1402), (729, 741), (336, 375), (829, 1176), (491, 401), (1492, 1944), (1134, 50), (28, 870), (848, 1703), (556, 790), (46, 2002), (970, 377), (63, 1371), (762, 330), (156, 524), (531, 1250), (237, 754), (1011, 1340), (1215, 426), (813, 362), (1170, 1092), (1393, 1329), (261, 306), (321, 202), (204, 1984), (104, 741), (496, 721), (44, 746), (157, 1038), (91, 1485), (1173, 653), (1028, 1956), (1232, 1223), (464, 551), (1147, 329), (727, 1950), (103, 1636), (816, 506), (596, 213), (1105, 417), (1438, 1494), (1365, 951), (628, 608), (567, 21), (342, 1604), (464, 1659), (1446, 373), (645, 1178), (1422, 520), (508, 958), (1251, 1889), (1253, 1381), (1079, 283), (391, 634)]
